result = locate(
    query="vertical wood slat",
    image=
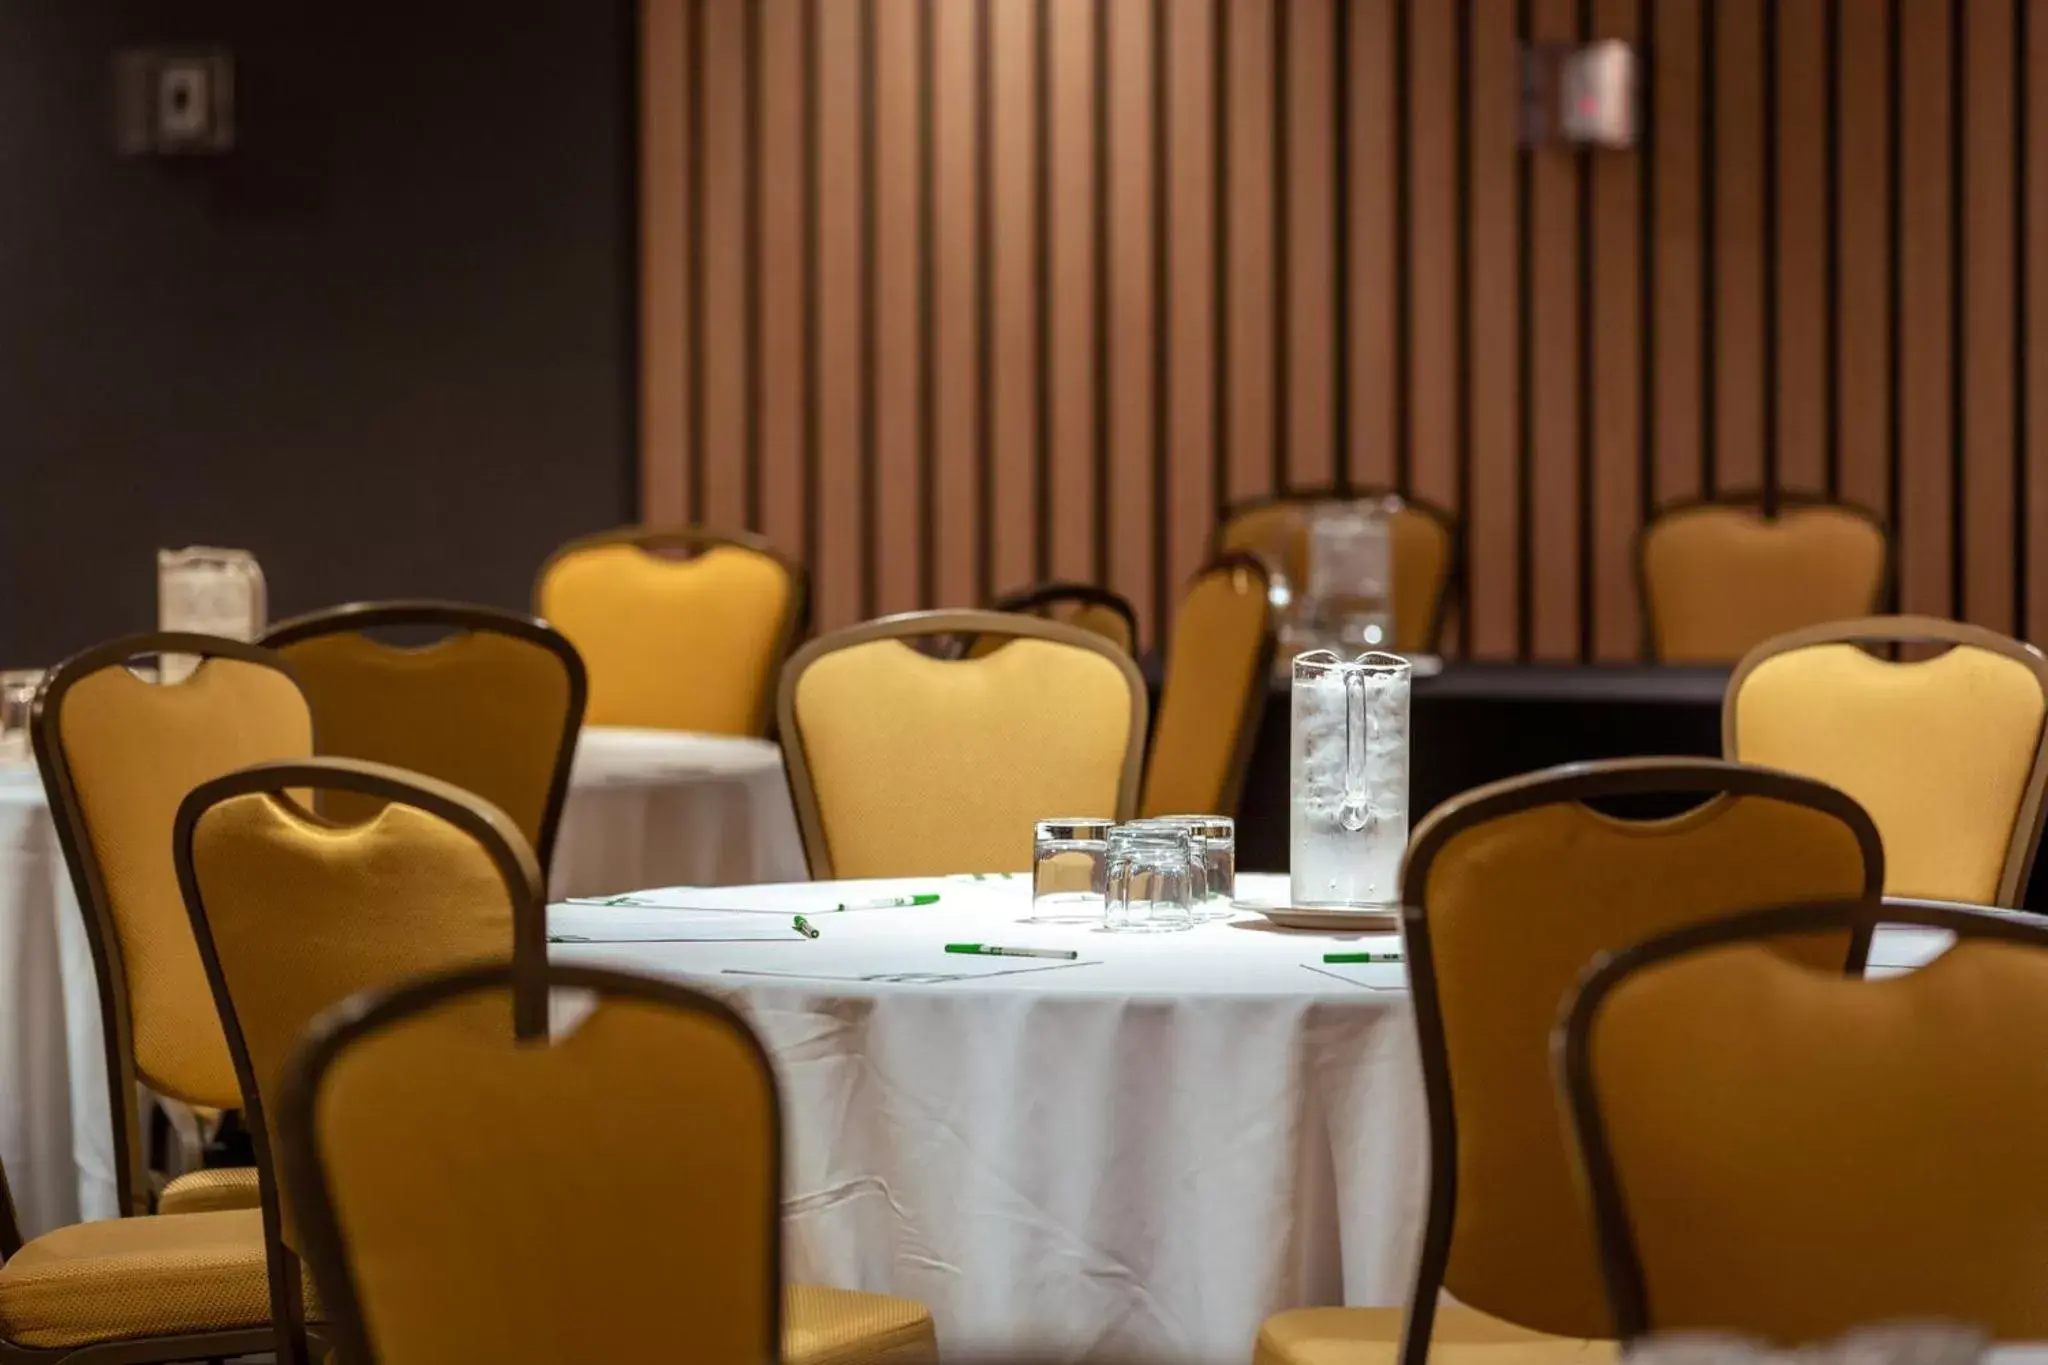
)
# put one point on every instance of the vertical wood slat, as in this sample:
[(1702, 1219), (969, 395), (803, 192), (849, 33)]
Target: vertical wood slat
[(1131, 432), (1987, 318), (1924, 311), (1554, 339), (722, 84), (1491, 521), (1251, 247), (836, 313), (783, 500), (897, 358), (1617, 385), (665, 91), (1861, 254)]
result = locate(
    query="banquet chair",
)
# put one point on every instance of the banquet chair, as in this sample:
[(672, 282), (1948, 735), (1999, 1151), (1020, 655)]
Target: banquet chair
[(682, 628), (492, 703), (902, 764), (294, 912), (1786, 1154), (1718, 577), (1214, 691), (672, 1199), (1424, 541), (1948, 754), (117, 755), (1101, 610), (131, 1291), (1508, 892)]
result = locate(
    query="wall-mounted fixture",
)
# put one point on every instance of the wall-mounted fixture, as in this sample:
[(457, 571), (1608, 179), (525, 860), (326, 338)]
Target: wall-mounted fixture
[(174, 101), (1583, 96)]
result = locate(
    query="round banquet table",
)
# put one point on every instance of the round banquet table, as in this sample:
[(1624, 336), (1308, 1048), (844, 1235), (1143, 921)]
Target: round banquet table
[(644, 808), (1143, 1153)]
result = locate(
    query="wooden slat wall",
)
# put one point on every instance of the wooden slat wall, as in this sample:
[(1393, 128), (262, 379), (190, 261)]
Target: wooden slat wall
[(952, 296)]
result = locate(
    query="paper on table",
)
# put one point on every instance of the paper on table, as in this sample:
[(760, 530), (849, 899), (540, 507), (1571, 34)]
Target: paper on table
[(1374, 976), (585, 924), (960, 969), (746, 900)]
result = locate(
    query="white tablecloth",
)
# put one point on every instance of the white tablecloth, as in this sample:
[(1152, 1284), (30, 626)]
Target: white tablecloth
[(644, 808), (1147, 1153)]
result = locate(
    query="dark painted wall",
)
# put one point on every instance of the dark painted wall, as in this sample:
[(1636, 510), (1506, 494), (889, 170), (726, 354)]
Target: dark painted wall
[(386, 343)]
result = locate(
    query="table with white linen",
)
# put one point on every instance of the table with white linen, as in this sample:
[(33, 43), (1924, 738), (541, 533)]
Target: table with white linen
[(1144, 1153), (644, 807)]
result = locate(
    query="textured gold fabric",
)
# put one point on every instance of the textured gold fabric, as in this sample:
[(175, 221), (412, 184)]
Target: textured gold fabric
[(1372, 1336), (479, 710), (135, 749), (1278, 533), (138, 1277), (304, 916), (672, 644), (1517, 907), (1802, 1154), (840, 1327), (639, 1147), (1938, 752), (1723, 579), (225, 1187), (1210, 693), (925, 766)]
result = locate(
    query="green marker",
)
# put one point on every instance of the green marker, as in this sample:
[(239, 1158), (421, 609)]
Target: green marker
[(805, 927), (991, 950), (1361, 957), (891, 902)]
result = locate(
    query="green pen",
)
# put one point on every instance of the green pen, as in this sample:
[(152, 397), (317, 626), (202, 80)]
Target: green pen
[(992, 950), (805, 927), (1361, 957), (891, 902)]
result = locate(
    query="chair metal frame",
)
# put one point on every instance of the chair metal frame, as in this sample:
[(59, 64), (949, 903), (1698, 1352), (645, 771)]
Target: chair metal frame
[(653, 540), (1620, 1258), (1058, 591), (1253, 709), (109, 969), (492, 830), (1770, 510), (964, 622), (331, 1036), (2027, 820), (1575, 782), (1450, 588), (355, 618)]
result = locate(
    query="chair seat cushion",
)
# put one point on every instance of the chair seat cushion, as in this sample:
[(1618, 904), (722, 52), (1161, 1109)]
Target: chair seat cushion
[(841, 1327), (1372, 1336), (138, 1277), (226, 1187)]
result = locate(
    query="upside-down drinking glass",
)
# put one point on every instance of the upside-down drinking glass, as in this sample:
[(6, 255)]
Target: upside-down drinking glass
[(1154, 874)]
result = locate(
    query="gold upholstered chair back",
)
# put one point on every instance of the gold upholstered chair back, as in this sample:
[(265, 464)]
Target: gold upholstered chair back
[(1790, 1154), (1719, 577), (492, 703), (1509, 891), (680, 627), (903, 764), (613, 1187), (1100, 610), (1948, 754), (1214, 693), (294, 913), (118, 754), (1423, 538)]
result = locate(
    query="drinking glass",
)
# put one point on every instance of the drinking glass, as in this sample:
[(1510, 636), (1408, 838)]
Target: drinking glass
[(17, 699), (1153, 872), (1348, 797), (1216, 849), (1069, 868)]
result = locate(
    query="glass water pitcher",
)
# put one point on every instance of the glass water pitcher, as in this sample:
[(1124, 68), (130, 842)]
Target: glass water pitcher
[(1348, 822), (207, 591), (1350, 589)]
